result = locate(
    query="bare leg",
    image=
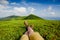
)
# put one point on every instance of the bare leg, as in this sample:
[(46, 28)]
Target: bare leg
[(25, 36), (29, 28)]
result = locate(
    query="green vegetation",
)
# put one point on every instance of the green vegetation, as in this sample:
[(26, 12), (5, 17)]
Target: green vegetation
[(12, 28)]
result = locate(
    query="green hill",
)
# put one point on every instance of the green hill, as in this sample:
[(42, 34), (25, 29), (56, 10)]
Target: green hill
[(31, 16), (13, 17)]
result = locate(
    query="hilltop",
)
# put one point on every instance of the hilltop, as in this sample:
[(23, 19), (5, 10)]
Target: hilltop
[(31, 16)]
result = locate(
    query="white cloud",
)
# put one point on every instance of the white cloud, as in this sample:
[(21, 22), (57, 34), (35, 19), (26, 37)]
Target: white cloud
[(3, 7), (49, 8), (4, 2), (44, 10), (48, 11), (31, 10), (52, 13), (8, 10), (21, 9), (4, 10)]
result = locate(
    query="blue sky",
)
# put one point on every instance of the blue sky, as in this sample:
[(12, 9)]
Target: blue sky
[(41, 8), (38, 1)]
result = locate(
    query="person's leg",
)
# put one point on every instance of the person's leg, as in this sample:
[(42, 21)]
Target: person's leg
[(34, 35), (24, 37)]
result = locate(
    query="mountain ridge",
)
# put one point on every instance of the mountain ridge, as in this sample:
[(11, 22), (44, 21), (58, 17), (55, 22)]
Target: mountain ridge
[(31, 16)]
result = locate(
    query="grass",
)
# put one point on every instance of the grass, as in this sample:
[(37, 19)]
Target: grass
[(14, 29)]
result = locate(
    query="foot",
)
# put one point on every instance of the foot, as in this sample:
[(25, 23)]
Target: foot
[(32, 26), (26, 23)]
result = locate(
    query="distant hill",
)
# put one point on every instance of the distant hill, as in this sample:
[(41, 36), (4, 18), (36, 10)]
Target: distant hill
[(13, 17), (31, 16)]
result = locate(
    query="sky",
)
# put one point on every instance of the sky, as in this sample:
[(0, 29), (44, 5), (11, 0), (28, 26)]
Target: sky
[(41, 8)]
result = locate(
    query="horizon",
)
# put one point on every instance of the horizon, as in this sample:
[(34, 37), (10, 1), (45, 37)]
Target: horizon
[(41, 8), (47, 18)]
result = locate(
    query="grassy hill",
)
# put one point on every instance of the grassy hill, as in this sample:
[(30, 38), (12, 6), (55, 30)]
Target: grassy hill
[(31, 16), (13, 17)]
